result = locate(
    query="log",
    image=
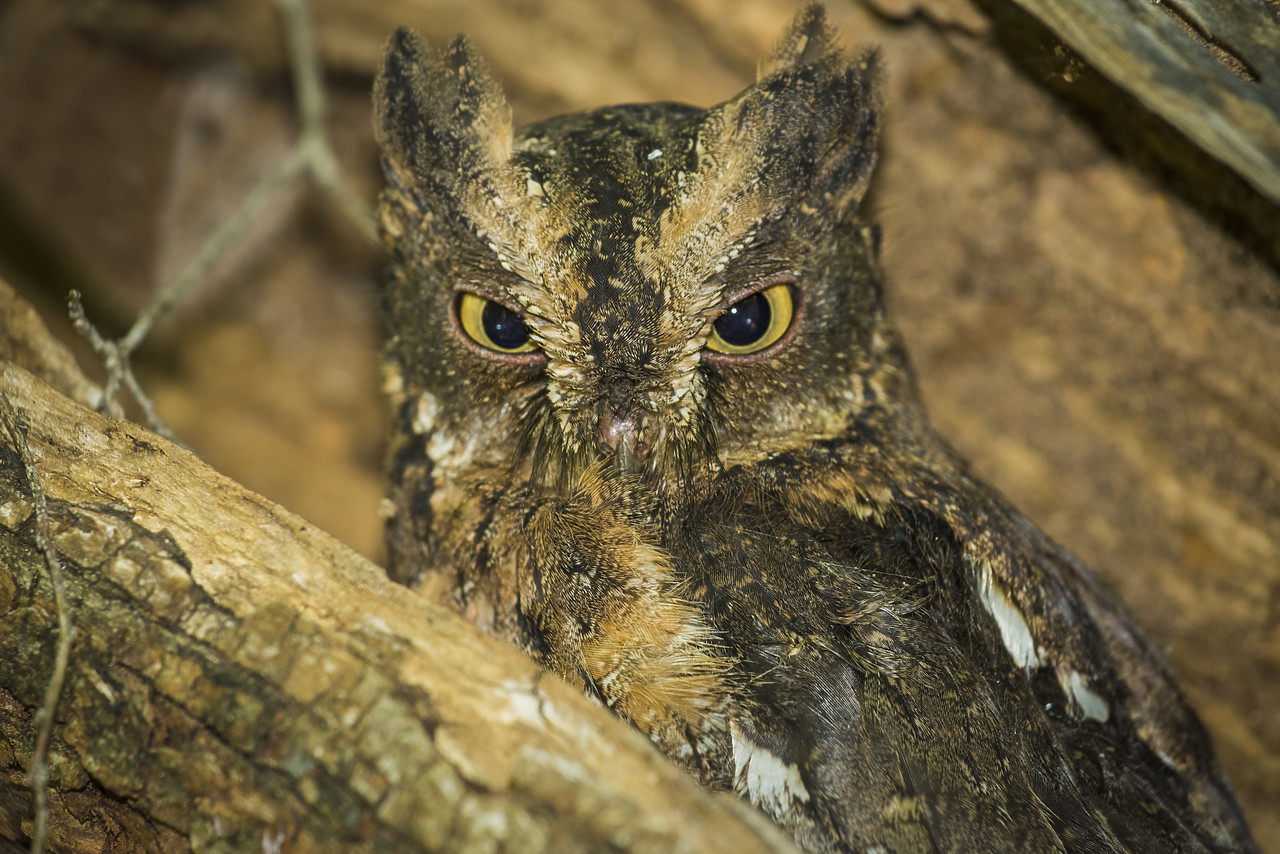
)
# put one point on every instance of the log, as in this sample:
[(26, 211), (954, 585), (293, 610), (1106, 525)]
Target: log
[(1208, 67), (242, 681)]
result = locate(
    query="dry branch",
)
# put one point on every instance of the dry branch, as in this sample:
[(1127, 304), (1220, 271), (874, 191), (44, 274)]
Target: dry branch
[(242, 681)]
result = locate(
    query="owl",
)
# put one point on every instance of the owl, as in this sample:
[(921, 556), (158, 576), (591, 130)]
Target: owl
[(653, 427)]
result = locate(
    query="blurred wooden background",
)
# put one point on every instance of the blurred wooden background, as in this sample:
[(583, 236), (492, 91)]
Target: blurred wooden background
[(1092, 306)]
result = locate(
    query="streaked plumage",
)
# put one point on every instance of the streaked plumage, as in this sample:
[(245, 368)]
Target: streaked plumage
[(654, 428)]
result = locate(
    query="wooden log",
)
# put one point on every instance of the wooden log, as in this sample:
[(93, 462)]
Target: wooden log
[(242, 681), (1211, 68)]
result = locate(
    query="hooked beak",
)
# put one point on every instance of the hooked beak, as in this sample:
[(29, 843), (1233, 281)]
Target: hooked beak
[(622, 436)]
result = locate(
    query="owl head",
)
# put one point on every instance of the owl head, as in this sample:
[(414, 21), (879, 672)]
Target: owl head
[(656, 287)]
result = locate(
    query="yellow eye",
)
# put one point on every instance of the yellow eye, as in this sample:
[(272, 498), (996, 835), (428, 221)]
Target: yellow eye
[(493, 325), (754, 322)]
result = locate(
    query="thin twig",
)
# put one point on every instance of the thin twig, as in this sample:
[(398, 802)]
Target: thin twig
[(119, 369), (313, 137), (311, 155), (38, 775), (116, 353), (305, 64), (226, 236)]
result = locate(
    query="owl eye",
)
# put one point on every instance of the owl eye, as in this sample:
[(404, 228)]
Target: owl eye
[(493, 325), (754, 322)]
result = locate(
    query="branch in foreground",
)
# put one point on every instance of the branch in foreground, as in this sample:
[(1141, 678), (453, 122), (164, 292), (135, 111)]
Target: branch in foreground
[(13, 432), (243, 680)]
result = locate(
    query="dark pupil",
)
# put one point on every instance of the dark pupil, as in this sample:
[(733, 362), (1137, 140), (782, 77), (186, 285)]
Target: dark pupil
[(745, 321), (503, 326)]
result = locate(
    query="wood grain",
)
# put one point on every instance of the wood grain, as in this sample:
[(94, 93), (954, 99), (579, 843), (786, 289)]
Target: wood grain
[(242, 681)]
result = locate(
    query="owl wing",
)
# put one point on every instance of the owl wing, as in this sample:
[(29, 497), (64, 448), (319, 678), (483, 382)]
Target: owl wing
[(923, 670)]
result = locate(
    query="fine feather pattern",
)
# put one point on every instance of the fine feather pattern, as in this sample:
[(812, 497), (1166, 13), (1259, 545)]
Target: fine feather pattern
[(768, 563)]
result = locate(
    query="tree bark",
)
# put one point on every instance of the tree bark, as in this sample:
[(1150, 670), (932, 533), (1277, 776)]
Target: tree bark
[(242, 681)]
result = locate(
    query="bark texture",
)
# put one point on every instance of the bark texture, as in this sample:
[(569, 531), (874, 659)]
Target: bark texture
[(242, 681)]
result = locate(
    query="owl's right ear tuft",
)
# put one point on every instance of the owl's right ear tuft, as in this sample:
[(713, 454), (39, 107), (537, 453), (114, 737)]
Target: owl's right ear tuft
[(807, 41), (441, 118), (805, 135)]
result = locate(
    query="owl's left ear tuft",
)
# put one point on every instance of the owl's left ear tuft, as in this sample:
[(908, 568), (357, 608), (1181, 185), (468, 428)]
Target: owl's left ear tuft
[(440, 117)]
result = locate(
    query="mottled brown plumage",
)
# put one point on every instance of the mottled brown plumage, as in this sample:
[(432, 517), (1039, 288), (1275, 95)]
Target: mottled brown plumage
[(654, 428)]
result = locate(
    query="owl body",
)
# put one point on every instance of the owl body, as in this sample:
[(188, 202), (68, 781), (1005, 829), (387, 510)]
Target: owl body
[(654, 428)]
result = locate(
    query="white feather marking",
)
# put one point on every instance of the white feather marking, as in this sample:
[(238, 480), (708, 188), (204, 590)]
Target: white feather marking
[(451, 455), (768, 782), (425, 414), (1091, 704), (1013, 626), (563, 371)]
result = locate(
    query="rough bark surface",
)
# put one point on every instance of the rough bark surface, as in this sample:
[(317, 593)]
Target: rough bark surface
[(242, 681)]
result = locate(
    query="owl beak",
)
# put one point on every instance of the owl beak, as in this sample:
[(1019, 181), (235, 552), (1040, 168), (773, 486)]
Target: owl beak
[(620, 436)]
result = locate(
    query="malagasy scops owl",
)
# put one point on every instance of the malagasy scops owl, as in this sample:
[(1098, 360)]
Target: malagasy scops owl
[(654, 428)]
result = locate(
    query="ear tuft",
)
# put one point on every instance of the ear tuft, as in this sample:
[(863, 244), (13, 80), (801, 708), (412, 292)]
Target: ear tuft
[(808, 40), (809, 127), (442, 121)]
